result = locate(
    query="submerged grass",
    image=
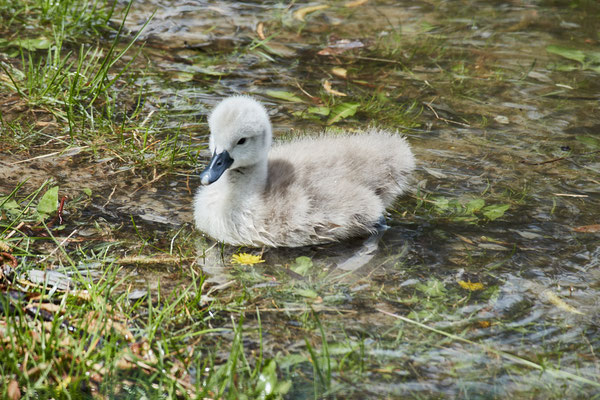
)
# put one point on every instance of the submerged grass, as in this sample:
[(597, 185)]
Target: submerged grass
[(553, 372)]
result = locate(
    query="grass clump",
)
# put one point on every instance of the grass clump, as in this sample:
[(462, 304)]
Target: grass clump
[(72, 324), (33, 24), (66, 95), (68, 83)]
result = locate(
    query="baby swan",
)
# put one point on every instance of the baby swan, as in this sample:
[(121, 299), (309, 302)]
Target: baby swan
[(308, 191)]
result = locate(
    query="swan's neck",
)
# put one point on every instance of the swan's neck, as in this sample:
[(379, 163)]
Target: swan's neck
[(249, 179)]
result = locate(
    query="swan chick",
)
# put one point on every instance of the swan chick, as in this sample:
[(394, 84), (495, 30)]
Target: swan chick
[(307, 191)]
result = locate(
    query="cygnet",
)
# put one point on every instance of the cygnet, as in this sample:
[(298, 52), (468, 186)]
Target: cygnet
[(306, 191)]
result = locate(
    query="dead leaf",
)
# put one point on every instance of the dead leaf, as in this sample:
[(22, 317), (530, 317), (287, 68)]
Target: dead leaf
[(465, 239), (140, 349), (260, 31), (81, 294), (13, 391), (558, 302), (492, 246), (341, 46), (472, 286), (588, 228), (125, 363), (341, 72), (8, 257), (355, 3), (42, 124), (51, 308), (300, 13), (95, 323), (527, 19), (501, 119), (328, 89)]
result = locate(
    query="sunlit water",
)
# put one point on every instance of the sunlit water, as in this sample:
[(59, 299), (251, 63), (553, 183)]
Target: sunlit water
[(494, 102)]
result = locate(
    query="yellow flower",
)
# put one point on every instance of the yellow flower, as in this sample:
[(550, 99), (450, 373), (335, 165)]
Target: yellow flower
[(246, 259), (472, 286)]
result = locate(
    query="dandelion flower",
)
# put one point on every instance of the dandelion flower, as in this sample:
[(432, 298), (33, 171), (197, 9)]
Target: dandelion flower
[(246, 259)]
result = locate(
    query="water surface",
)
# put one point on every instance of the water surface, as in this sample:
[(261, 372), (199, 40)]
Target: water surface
[(501, 104)]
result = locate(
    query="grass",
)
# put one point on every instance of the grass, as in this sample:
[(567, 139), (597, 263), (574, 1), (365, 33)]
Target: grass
[(84, 90), (81, 331), (83, 335), (72, 20)]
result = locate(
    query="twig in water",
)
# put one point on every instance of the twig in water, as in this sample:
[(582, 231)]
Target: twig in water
[(15, 230), (559, 158), (36, 158), (45, 156), (369, 58), (60, 210), (110, 196), (59, 246), (148, 183), (305, 92), (187, 185), (445, 119), (570, 195)]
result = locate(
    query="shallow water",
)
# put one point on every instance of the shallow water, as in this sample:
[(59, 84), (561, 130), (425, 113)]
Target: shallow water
[(484, 103), (493, 102)]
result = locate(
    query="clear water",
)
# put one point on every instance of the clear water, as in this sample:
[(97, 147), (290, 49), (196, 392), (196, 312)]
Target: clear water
[(486, 101)]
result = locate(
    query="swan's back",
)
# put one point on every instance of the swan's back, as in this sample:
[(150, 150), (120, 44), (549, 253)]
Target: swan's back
[(379, 160), (327, 188)]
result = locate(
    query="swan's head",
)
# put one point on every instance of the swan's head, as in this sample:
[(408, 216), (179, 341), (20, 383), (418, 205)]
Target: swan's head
[(240, 136)]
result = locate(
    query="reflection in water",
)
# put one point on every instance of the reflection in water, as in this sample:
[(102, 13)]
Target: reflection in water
[(346, 262)]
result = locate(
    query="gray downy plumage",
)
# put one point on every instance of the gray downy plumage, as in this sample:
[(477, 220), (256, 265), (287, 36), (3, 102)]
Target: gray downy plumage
[(307, 191)]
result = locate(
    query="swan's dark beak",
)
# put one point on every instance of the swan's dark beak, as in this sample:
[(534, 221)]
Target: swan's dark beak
[(218, 164)]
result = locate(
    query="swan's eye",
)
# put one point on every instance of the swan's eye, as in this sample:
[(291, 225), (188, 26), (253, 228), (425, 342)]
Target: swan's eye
[(242, 141)]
